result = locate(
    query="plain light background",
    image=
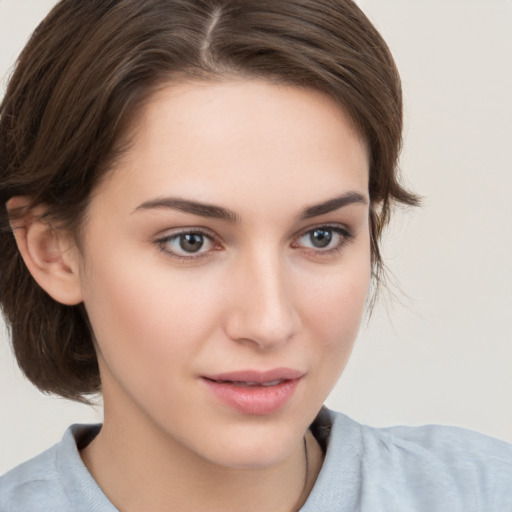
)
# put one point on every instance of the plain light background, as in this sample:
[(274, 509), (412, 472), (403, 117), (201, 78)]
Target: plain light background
[(441, 351)]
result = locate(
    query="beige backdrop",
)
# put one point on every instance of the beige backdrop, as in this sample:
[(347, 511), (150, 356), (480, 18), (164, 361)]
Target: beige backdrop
[(441, 353)]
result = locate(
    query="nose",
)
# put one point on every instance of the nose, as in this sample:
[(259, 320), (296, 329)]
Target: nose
[(262, 310)]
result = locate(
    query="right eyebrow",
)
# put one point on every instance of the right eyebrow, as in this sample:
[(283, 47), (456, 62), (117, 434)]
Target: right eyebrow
[(193, 207)]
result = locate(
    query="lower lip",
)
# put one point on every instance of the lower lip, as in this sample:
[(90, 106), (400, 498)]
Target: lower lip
[(254, 400)]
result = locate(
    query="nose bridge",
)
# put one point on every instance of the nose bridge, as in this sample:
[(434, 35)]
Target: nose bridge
[(263, 311)]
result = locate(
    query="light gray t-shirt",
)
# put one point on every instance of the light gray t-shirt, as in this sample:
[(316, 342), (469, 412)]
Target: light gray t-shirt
[(366, 469)]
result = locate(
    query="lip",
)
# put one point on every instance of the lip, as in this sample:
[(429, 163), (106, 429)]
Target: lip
[(252, 392)]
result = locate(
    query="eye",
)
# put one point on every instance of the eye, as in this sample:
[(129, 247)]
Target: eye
[(187, 244), (324, 238)]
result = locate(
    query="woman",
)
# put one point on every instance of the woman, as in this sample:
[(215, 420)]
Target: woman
[(197, 191)]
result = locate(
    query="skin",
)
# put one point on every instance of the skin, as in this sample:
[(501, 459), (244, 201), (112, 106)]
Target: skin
[(258, 295)]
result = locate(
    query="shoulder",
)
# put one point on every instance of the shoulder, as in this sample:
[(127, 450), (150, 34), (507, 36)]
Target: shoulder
[(26, 485), (453, 453), (429, 468), (50, 481), (440, 465), (446, 445)]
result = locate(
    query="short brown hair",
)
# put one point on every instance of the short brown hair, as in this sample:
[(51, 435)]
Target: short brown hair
[(89, 67)]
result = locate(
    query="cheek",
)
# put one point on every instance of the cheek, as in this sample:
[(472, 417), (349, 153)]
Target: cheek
[(336, 317), (148, 315), (335, 324), (336, 305)]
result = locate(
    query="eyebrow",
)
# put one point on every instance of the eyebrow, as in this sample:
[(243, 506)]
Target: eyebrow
[(194, 207), (219, 212), (333, 204)]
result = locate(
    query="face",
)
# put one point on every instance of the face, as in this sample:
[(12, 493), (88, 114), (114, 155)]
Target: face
[(225, 267)]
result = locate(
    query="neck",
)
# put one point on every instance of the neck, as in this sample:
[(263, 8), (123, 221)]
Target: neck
[(140, 468)]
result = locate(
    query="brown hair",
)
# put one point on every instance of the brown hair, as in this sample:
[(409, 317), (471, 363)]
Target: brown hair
[(89, 67)]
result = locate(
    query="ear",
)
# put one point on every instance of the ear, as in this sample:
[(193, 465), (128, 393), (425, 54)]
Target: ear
[(50, 256)]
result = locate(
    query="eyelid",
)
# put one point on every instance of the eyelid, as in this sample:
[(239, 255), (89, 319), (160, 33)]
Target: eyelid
[(335, 226), (171, 234), (342, 230)]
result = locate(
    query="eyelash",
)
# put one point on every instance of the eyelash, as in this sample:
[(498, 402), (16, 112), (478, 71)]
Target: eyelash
[(345, 234), (164, 241), (345, 238)]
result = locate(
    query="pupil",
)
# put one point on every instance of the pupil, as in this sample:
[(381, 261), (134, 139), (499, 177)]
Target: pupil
[(191, 242), (321, 237)]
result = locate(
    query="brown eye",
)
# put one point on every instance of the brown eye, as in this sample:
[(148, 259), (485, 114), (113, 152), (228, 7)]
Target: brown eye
[(187, 244), (191, 242)]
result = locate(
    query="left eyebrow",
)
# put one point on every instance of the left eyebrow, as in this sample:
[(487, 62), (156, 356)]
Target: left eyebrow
[(333, 204)]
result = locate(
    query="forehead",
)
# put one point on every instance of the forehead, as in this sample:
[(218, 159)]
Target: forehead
[(224, 141)]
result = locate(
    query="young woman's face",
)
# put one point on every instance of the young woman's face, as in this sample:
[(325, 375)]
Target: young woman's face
[(225, 267)]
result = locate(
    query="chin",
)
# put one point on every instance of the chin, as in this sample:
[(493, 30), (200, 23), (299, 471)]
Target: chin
[(256, 448)]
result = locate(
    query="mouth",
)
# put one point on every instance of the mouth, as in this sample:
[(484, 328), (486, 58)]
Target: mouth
[(256, 377), (242, 383), (253, 392)]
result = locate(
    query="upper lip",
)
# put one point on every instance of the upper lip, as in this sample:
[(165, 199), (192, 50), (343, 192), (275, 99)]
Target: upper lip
[(256, 376)]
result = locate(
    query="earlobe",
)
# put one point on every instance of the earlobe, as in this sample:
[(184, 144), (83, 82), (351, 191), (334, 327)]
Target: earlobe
[(49, 255)]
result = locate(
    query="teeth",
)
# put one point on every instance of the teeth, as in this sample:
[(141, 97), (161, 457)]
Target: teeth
[(251, 384), (272, 383)]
